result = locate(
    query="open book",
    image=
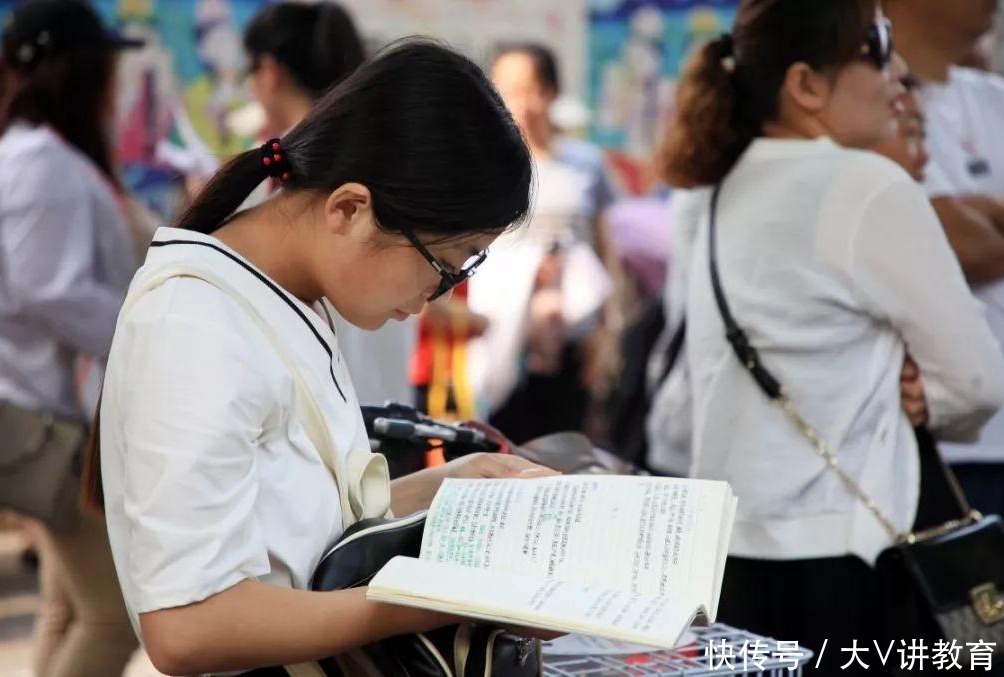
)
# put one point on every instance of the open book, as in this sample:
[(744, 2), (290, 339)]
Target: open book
[(629, 558)]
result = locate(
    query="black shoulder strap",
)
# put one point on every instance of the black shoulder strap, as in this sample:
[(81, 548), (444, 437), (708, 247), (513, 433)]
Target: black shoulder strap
[(737, 338), (673, 350)]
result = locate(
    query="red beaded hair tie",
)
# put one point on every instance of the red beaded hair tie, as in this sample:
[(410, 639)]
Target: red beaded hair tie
[(273, 160)]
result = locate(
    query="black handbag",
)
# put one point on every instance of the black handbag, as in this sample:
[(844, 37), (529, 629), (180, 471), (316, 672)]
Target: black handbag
[(463, 650), (943, 583)]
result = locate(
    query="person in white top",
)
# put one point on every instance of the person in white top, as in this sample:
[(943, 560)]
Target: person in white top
[(66, 258), (668, 425), (232, 450), (964, 109), (543, 356), (834, 264)]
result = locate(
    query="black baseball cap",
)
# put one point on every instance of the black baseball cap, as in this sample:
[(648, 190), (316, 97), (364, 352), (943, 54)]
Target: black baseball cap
[(36, 28)]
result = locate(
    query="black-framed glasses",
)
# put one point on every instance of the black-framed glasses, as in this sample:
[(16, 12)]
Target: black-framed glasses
[(878, 47), (448, 279)]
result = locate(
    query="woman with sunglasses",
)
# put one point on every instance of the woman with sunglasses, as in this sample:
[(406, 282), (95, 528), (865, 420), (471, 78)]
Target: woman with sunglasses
[(834, 265), (226, 400)]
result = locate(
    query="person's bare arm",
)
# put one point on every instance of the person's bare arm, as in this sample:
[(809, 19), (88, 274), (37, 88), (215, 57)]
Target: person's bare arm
[(989, 206), (606, 251), (975, 235), (415, 492), (253, 625), (446, 314)]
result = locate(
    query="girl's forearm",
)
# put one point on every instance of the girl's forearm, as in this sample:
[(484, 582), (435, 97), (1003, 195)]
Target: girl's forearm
[(255, 625), (414, 492)]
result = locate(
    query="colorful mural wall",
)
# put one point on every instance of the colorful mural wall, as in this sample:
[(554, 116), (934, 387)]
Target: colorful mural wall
[(619, 57), (636, 49)]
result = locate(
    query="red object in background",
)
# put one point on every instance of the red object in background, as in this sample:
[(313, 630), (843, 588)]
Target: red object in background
[(630, 173), (421, 362)]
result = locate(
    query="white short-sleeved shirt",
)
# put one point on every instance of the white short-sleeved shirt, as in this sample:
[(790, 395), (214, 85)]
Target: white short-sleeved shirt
[(833, 262), (965, 139), (209, 476)]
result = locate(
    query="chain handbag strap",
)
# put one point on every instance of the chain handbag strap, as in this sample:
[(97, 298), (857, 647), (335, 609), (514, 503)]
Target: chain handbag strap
[(750, 358)]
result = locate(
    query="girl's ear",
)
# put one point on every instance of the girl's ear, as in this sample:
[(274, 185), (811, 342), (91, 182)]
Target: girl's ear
[(345, 205), (806, 89)]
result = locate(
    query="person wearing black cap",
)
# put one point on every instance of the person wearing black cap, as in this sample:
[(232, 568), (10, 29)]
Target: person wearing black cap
[(66, 258)]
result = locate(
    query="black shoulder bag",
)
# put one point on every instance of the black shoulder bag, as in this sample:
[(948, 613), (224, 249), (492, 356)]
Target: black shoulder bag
[(464, 650), (942, 583)]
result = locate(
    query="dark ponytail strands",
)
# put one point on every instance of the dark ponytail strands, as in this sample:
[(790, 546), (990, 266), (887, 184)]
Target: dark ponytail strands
[(707, 136), (336, 49), (317, 44), (225, 192)]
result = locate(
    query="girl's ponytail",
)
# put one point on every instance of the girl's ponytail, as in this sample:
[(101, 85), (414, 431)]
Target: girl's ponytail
[(224, 194), (707, 134)]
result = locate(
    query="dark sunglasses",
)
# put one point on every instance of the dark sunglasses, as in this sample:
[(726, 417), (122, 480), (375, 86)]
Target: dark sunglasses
[(878, 47), (448, 280)]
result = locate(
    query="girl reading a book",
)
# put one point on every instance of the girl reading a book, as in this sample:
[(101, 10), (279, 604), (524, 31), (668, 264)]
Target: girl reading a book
[(229, 421), (833, 262)]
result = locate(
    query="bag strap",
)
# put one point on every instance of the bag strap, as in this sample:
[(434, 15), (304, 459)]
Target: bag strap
[(773, 389), (672, 353)]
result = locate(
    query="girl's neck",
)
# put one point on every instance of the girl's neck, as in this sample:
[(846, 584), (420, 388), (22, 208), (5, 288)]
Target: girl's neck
[(267, 237)]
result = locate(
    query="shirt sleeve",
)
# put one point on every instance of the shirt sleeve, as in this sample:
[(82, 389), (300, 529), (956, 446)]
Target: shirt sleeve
[(192, 417), (906, 273), (47, 247)]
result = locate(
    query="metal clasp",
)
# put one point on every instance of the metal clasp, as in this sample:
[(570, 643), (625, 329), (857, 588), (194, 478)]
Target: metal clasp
[(987, 603), (523, 650)]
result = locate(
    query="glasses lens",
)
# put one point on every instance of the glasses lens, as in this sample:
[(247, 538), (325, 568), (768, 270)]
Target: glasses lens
[(471, 264), (880, 43)]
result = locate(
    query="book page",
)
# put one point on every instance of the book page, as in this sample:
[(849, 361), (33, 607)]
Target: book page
[(728, 520), (510, 599), (651, 535)]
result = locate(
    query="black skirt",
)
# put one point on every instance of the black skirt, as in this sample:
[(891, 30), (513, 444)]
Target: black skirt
[(808, 601)]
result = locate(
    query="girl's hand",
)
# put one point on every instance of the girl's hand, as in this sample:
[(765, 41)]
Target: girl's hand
[(911, 388), (416, 491), (491, 466)]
